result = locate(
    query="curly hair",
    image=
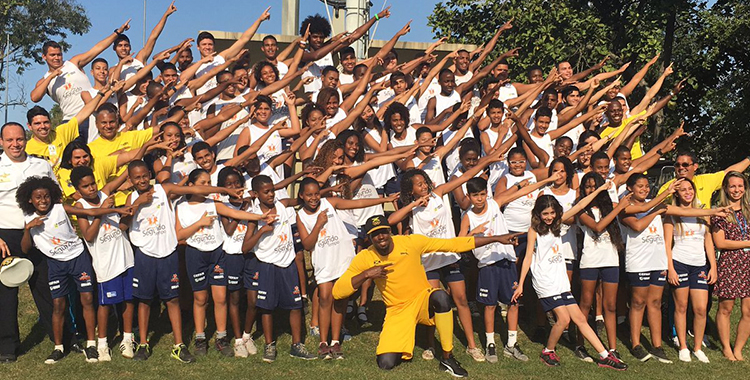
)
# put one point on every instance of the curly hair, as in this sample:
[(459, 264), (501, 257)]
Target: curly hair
[(259, 66), (307, 110), (604, 204), (542, 203), (325, 154), (395, 108), (317, 24), (23, 194), (407, 184)]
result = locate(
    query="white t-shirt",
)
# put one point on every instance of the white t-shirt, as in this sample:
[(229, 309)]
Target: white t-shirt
[(518, 212), (334, 250), (66, 89), (271, 147), (180, 168), (461, 79), (452, 159), (545, 143), (507, 91), (645, 251), (689, 242), (382, 173), (130, 69), (597, 252), (568, 231), (203, 69), (491, 253), (152, 228), (226, 147), (549, 274), (56, 238), (206, 239), (12, 174), (435, 221), (277, 247), (233, 244), (316, 71), (111, 253), (442, 102)]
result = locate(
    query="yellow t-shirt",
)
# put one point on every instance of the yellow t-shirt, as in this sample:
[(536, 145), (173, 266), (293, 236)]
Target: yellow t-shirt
[(407, 278), (60, 137), (104, 167), (123, 141), (705, 185), (636, 151)]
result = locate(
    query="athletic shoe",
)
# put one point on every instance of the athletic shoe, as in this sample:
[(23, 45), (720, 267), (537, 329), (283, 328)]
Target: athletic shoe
[(76, 347), (676, 342), (345, 336), (92, 355), (54, 357), (143, 352), (612, 362), (182, 354), (324, 352), (250, 346), (104, 354), (640, 353), (473, 309), (515, 353), (701, 356), (475, 353), (684, 355), (222, 345), (315, 331), (452, 366), (8, 358), (269, 352), (299, 351), (491, 353), (428, 354), (349, 308), (581, 353), (550, 358), (363, 321), (240, 351), (336, 352), (127, 349), (616, 354), (201, 346), (503, 310), (660, 355)]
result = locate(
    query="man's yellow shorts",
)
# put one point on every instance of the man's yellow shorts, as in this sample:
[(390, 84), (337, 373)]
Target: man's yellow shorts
[(399, 327)]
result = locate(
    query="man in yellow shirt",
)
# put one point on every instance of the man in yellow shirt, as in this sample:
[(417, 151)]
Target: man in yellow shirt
[(705, 184), (394, 263), (49, 143)]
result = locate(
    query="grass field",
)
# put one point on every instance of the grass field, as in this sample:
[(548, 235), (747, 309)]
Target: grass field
[(359, 362)]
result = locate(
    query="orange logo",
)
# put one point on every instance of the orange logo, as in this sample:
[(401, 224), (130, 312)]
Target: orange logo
[(175, 279), (56, 241), (152, 220), (283, 237), (434, 223), (241, 228), (689, 233), (555, 248), (67, 86), (84, 277), (107, 227), (296, 290), (323, 233), (652, 229)]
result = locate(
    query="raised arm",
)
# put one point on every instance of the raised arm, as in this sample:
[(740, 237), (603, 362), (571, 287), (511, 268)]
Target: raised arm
[(246, 36), (148, 48), (638, 77), (473, 66), (83, 59), (467, 175), (605, 220), (583, 74), (651, 92), (569, 215)]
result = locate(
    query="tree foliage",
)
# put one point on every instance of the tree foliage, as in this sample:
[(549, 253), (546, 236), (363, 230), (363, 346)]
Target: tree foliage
[(707, 44)]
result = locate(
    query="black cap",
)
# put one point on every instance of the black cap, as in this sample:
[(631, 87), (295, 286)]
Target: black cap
[(376, 222)]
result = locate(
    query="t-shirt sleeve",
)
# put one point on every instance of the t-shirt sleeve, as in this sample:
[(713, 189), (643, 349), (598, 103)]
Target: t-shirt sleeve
[(713, 180), (427, 245), (343, 287), (67, 132), (665, 186), (139, 138), (105, 166)]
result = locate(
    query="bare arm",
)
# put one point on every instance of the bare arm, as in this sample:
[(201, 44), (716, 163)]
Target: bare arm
[(246, 36), (148, 48), (83, 59)]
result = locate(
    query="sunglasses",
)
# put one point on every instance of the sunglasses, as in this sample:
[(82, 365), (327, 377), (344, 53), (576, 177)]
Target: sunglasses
[(683, 165)]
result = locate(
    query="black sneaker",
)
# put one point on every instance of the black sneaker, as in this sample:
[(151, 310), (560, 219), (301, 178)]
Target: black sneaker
[(269, 352), (54, 357), (612, 362), (660, 355), (616, 354), (550, 358), (452, 366), (143, 352), (182, 354), (223, 346), (299, 351), (76, 347), (92, 354), (201, 346), (8, 358), (581, 353), (490, 354), (640, 353)]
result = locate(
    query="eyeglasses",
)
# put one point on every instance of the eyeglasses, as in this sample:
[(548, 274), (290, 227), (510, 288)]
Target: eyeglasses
[(683, 165), (517, 162)]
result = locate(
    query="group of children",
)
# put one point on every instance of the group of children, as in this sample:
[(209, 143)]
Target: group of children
[(199, 161)]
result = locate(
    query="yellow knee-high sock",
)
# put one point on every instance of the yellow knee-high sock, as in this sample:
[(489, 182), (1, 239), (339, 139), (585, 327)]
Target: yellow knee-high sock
[(444, 327)]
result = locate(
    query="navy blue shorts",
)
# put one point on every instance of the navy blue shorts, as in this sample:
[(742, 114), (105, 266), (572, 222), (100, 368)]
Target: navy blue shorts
[(117, 290), (497, 282), (553, 302), (205, 268), (393, 185), (521, 247), (448, 273), (65, 275), (155, 276), (695, 277), (570, 265), (643, 279), (606, 274), (249, 274), (235, 265), (277, 287)]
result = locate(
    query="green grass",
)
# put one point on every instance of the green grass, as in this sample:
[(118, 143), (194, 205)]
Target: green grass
[(359, 362)]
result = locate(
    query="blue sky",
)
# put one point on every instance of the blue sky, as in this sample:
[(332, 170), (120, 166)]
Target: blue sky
[(195, 15)]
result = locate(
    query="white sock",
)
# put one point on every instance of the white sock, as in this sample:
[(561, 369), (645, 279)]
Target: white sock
[(599, 318), (334, 342), (103, 342), (512, 336), (59, 347), (246, 336), (604, 354), (127, 337), (548, 350), (490, 338), (90, 343), (177, 345)]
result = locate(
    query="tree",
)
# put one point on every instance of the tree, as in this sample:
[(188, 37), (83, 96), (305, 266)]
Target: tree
[(706, 43)]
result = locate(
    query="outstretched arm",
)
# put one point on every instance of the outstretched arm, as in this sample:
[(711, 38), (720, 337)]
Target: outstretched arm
[(638, 77), (83, 59), (652, 92), (148, 48), (246, 36)]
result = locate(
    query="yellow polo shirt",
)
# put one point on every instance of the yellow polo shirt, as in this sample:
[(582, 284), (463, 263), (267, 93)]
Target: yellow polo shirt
[(705, 185), (636, 151), (122, 142), (60, 137)]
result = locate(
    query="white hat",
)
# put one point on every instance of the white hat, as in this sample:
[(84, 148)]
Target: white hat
[(15, 271)]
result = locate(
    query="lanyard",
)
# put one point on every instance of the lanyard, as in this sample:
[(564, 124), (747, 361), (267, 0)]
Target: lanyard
[(742, 224)]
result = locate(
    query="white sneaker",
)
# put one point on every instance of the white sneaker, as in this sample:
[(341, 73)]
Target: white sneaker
[(700, 355), (676, 342), (240, 351), (684, 355), (250, 347), (126, 349), (476, 354), (104, 355), (428, 354)]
